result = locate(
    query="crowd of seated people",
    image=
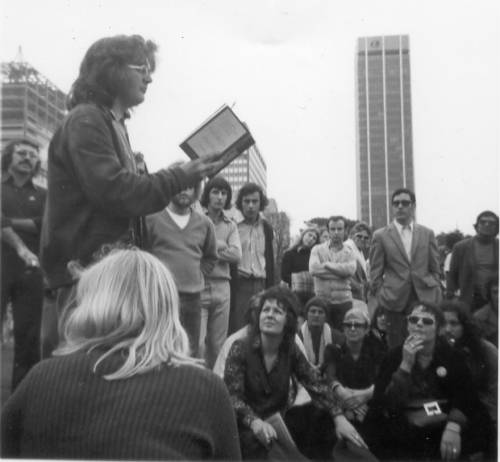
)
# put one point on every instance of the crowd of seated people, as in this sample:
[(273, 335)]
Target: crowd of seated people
[(435, 397)]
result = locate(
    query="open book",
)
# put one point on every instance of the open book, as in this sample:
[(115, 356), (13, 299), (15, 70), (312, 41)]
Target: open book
[(222, 132)]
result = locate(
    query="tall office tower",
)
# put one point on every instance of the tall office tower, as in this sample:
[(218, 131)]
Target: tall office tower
[(384, 160), (248, 167), (32, 107)]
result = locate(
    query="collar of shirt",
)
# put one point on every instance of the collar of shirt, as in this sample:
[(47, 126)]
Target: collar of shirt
[(222, 216), (255, 223), (400, 227), (124, 116), (331, 246), (7, 178)]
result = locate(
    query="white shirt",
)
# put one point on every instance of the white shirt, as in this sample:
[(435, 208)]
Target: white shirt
[(406, 234), (180, 220)]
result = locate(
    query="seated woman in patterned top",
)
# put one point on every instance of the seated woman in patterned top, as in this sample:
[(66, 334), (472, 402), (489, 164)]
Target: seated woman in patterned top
[(258, 372)]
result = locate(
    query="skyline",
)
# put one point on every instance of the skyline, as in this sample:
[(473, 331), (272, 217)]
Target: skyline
[(289, 67)]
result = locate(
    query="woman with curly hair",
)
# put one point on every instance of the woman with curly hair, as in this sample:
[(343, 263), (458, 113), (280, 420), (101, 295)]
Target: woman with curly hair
[(258, 372)]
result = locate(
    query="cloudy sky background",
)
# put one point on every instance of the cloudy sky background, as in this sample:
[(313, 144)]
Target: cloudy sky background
[(289, 67)]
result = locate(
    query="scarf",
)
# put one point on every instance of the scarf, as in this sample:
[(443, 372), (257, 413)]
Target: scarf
[(325, 339)]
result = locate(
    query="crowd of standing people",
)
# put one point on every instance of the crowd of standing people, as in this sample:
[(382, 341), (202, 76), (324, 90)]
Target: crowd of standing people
[(361, 348)]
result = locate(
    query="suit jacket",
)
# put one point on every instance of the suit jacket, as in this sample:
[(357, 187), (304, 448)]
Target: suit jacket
[(392, 274)]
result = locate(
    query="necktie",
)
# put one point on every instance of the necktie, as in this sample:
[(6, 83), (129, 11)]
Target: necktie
[(406, 235)]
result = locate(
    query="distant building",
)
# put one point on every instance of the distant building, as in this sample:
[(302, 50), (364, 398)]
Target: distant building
[(384, 125), (32, 107), (248, 167)]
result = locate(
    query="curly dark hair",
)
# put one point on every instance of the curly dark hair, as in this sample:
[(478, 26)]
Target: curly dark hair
[(102, 74), (288, 301), (217, 182), (471, 336), (8, 152), (432, 309), (250, 188)]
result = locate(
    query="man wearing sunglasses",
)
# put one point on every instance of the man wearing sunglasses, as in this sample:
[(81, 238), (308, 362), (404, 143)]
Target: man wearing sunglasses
[(96, 194), (474, 262), (22, 281), (404, 265)]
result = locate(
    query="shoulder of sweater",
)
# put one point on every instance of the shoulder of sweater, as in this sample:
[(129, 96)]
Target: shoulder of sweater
[(198, 216)]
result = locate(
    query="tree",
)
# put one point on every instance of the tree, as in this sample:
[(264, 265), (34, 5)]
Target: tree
[(450, 238), (281, 225), (322, 222)]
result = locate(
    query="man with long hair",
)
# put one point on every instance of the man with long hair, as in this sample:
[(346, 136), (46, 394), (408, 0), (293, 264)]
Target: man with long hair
[(255, 270), (215, 298), (96, 195), (22, 280)]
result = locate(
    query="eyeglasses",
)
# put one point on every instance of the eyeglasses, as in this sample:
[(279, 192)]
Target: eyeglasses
[(353, 325), (362, 236), (486, 222), (425, 321), (24, 153), (143, 69), (404, 203)]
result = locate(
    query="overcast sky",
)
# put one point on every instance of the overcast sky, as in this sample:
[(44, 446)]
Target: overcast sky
[(289, 67)]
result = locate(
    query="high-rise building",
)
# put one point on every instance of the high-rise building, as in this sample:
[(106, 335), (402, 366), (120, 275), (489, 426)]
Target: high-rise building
[(248, 167), (32, 107), (384, 125)]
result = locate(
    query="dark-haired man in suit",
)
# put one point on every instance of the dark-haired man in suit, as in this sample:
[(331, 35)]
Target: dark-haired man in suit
[(404, 265)]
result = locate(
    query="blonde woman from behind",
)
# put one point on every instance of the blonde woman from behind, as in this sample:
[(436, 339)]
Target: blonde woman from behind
[(122, 385)]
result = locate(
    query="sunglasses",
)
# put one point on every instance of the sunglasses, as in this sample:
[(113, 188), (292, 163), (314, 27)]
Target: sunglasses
[(404, 203), (354, 325), (361, 236), (425, 321)]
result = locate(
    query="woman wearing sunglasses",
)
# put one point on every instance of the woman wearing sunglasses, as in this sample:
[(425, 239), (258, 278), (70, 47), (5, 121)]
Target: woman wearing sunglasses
[(355, 364), (425, 405)]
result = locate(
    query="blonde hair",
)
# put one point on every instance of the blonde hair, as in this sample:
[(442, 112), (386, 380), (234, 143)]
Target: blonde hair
[(128, 302), (358, 313)]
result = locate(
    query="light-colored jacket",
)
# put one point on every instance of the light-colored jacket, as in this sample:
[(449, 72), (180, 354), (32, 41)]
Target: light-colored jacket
[(393, 275)]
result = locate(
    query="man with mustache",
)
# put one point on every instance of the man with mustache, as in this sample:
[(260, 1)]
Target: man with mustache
[(22, 280), (185, 241)]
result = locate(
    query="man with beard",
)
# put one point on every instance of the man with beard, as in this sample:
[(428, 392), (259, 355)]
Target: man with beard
[(22, 280), (184, 240)]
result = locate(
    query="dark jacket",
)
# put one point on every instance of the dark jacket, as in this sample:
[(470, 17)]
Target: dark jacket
[(269, 253), (294, 261), (452, 382), (94, 197), (462, 269)]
